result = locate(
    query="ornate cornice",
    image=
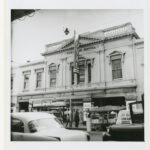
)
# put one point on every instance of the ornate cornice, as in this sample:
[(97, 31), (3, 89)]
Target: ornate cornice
[(97, 37)]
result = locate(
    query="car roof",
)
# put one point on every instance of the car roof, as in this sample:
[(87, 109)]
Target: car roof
[(29, 116)]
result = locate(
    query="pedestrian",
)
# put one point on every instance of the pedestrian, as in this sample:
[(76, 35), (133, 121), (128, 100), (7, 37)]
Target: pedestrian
[(67, 119), (76, 119)]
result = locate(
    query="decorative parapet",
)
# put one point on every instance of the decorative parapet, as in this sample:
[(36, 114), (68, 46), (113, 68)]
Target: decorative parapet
[(92, 38), (125, 29)]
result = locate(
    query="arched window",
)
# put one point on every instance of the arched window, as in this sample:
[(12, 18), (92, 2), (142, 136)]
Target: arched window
[(52, 71)]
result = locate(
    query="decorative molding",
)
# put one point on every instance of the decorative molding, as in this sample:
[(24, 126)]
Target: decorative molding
[(27, 72), (115, 53), (91, 61), (57, 66), (39, 70)]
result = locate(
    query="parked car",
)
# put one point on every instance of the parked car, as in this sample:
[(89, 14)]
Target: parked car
[(17, 136), (57, 114), (129, 125), (45, 125)]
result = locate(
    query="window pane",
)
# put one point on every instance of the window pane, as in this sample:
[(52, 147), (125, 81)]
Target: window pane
[(26, 81), (39, 78), (72, 74), (116, 69), (81, 73), (89, 72), (53, 75), (116, 64)]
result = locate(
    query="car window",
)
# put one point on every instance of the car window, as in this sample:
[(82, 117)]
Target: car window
[(17, 125), (44, 123)]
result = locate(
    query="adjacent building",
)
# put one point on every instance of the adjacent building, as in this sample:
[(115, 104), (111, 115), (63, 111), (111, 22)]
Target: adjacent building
[(111, 73)]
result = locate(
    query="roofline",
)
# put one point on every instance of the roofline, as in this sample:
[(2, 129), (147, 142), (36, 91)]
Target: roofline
[(32, 64), (83, 35), (82, 45), (139, 41)]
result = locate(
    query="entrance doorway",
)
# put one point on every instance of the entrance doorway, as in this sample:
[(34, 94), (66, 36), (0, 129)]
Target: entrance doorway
[(23, 106)]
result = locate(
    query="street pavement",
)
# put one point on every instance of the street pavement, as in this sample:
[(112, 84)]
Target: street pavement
[(94, 135)]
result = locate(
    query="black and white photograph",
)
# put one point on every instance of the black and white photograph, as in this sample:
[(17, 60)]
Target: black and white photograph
[(77, 75)]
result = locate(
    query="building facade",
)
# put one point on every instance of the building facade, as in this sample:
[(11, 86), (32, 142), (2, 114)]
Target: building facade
[(111, 73)]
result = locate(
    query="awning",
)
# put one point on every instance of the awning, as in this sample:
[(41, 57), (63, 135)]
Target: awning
[(107, 108)]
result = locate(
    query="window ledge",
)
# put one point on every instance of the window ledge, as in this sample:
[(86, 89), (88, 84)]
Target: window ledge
[(118, 79), (38, 89), (27, 90)]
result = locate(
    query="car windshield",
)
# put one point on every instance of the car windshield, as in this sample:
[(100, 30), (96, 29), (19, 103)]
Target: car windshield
[(44, 123)]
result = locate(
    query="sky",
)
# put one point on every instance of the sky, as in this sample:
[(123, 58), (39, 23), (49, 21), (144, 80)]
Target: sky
[(31, 34)]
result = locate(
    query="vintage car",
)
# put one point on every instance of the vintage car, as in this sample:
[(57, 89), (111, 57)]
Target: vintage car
[(129, 125), (45, 125), (17, 136)]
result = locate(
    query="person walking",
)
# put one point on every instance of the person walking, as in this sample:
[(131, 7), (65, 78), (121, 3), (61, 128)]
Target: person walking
[(76, 118), (67, 119)]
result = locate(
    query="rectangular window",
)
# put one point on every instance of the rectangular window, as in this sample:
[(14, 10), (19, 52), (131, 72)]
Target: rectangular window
[(89, 73), (39, 80), (81, 73), (26, 81), (116, 69), (53, 78)]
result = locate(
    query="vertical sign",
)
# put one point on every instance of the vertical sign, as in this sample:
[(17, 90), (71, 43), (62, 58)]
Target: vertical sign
[(86, 107)]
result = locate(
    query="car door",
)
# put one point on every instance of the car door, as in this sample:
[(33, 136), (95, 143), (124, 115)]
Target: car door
[(17, 133)]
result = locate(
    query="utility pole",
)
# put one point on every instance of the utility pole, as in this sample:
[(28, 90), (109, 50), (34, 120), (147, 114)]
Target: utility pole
[(76, 55), (76, 67)]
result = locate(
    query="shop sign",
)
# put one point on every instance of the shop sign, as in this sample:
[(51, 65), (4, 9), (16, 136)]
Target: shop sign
[(43, 103), (36, 103), (46, 102), (58, 104)]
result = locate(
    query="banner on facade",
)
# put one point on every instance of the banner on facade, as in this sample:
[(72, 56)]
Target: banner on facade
[(47, 102)]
